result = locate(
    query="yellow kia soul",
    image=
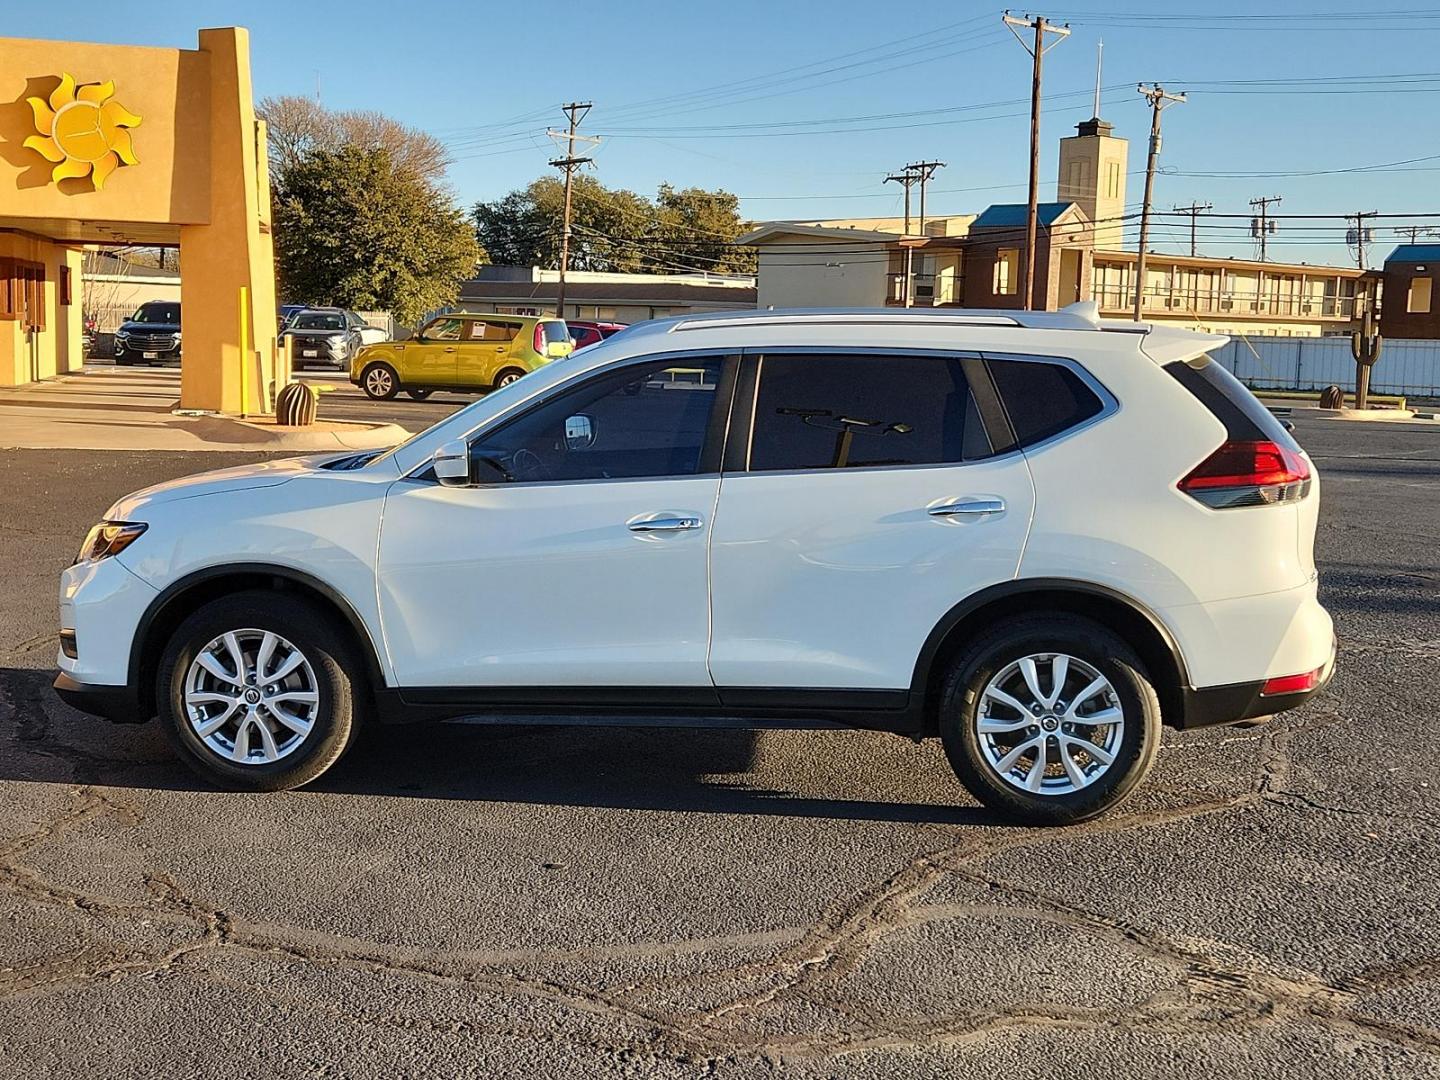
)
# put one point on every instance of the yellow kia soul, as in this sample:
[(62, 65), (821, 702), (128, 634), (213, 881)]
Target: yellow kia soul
[(461, 351)]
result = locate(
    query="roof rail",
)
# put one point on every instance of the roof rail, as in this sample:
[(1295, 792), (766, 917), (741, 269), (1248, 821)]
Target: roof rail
[(1083, 316)]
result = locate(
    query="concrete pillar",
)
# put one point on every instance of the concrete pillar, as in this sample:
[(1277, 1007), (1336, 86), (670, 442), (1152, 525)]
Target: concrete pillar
[(232, 251)]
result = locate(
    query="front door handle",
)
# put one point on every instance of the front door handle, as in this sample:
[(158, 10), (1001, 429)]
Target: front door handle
[(981, 505), (665, 524)]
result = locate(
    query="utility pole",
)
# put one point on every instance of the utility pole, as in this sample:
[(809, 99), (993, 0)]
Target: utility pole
[(1037, 53), (925, 170), (576, 111), (1159, 99), (1261, 226), (905, 178), (1194, 210), (1361, 233)]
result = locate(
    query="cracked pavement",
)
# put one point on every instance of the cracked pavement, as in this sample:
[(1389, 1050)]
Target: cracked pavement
[(561, 902)]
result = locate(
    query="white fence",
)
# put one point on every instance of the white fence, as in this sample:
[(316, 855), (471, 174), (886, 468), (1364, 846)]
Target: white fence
[(1406, 366)]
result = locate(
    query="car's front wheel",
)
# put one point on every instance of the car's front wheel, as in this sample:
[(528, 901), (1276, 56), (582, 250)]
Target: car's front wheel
[(259, 691), (1050, 719), (379, 381)]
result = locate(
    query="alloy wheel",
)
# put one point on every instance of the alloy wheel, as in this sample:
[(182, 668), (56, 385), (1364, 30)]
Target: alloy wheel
[(1049, 724), (378, 382), (251, 697)]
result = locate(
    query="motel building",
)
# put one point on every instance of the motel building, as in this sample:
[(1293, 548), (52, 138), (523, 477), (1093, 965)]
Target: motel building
[(120, 145), (977, 261)]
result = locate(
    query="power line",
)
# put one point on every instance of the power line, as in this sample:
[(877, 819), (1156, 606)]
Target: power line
[(1194, 210)]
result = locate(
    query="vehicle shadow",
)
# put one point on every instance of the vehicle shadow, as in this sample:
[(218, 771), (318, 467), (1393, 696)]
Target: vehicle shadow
[(681, 770)]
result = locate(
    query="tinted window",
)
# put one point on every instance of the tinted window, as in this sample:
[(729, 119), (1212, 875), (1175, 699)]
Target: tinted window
[(822, 412), (646, 420), (1042, 399)]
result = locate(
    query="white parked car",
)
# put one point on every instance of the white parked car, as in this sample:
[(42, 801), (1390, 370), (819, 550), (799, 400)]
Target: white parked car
[(1039, 537)]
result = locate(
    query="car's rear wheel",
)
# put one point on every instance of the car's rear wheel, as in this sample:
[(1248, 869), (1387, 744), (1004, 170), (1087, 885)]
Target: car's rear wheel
[(379, 381), (259, 691), (508, 376), (1050, 719), (419, 395)]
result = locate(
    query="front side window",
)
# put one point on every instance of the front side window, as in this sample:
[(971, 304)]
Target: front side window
[(846, 412), (441, 330), (645, 420)]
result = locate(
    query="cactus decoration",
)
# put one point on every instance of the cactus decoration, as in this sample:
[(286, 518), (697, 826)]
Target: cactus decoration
[(1365, 345), (295, 405)]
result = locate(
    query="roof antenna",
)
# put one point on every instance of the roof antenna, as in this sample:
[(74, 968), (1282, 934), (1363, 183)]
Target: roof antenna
[(1099, 60)]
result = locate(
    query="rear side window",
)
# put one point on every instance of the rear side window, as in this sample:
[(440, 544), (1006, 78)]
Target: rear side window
[(483, 330), (1042, 399), (829, 412), (1245, 419)]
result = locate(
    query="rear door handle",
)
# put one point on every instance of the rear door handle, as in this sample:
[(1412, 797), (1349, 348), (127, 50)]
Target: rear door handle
[(981, 505), (665, 524)]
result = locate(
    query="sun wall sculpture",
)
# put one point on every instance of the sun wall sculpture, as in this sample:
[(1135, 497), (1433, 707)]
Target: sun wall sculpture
[(83, 130)]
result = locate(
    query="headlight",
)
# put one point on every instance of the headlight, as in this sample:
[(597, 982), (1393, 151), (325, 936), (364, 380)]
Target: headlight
[(109, 538), (122, 333), (177, 335)]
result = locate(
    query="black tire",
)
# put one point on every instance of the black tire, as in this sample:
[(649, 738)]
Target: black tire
[(1094, 645), (420, 394), (339, 685), (380, 381), (507, 376)]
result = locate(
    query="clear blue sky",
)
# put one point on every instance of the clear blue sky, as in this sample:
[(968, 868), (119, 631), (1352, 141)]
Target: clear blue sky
[(667, 79)]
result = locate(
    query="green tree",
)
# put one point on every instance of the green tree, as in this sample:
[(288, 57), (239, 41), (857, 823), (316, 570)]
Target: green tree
[(702, 226), (354, 230), (615, 229)]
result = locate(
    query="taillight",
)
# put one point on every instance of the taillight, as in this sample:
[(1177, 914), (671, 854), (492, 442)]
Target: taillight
[(1291, 684), (538, 343), (1255, 473)]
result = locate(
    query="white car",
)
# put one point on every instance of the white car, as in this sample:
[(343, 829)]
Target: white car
[(1039, 537)]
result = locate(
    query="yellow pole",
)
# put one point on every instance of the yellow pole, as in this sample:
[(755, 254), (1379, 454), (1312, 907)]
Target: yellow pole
[(244, 350)]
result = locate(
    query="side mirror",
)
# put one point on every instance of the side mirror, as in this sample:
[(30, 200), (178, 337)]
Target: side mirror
[(452, 464), (579, 432), (557, 349)]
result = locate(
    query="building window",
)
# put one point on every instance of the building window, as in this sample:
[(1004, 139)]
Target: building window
[(22, 292), (1006, 261), (65, 286), (1077, 178), (1418, 301), (1112, 179)]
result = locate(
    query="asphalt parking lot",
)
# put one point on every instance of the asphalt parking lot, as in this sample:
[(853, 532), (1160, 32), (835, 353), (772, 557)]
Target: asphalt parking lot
[(567, 902)]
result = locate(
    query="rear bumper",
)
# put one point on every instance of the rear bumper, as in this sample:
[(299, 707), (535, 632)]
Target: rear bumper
[(118, 703), (1211, 705)]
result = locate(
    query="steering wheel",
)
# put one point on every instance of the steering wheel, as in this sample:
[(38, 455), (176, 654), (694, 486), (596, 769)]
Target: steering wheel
[(527, 465)]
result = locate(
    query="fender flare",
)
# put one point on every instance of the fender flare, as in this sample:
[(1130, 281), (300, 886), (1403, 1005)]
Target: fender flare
[(920, 679)]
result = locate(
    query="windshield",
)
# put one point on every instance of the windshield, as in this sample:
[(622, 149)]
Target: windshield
[(158, 311), (318, 321)]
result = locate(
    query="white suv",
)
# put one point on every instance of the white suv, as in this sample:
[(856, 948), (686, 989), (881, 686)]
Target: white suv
[(1038, 537)]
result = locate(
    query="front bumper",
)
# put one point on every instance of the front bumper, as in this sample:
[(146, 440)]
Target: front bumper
[(118, 703), (323, 354)]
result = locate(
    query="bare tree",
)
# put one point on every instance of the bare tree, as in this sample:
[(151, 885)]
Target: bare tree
[(299, 126)]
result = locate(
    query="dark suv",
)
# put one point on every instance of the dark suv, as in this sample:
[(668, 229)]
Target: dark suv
[(151, 335)]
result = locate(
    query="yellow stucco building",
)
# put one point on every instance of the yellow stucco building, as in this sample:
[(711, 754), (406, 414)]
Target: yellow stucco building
[(112, 144)]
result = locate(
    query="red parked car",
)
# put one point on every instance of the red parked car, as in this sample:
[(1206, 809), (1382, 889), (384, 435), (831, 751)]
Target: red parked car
[(588, 333)]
